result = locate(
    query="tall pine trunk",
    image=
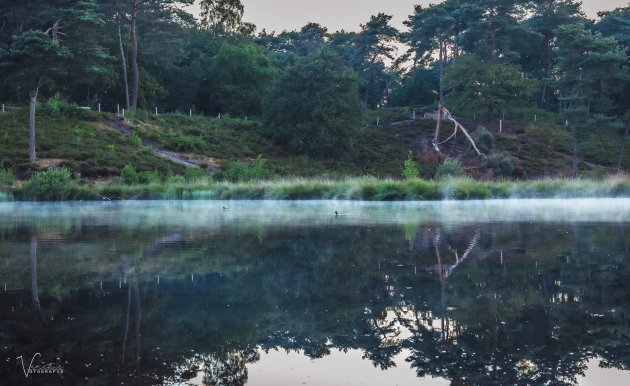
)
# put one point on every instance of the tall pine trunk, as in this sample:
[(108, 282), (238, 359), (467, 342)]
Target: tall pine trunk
[(31, 124), (124, 66), (442, 58), (134, 56)]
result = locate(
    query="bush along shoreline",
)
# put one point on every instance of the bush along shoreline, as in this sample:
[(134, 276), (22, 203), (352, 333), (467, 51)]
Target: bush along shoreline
[(60, 185)]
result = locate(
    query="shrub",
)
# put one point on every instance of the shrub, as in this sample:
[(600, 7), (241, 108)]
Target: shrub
[(240, 171), (410, 170), (128, 175), (6, 197), (6, 179), (136, 140), (450, 167), (140, 115), (175, 180), (502, 164), (53, 105), (194, 174), (484, 140), (149, 177), (57, 106), (50, 185)]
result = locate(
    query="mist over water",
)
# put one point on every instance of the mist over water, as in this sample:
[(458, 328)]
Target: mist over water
[(272, 293), (301, 213)]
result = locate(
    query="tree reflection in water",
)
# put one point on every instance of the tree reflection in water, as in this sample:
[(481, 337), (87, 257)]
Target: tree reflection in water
[(515, 303)]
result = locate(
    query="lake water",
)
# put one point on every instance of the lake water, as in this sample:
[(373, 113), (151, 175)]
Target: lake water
[(288, 293)]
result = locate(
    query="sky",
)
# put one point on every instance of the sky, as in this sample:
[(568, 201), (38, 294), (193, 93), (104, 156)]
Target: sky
[(279, 15)]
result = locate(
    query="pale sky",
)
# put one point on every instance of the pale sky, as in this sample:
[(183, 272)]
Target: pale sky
[(279, 15)]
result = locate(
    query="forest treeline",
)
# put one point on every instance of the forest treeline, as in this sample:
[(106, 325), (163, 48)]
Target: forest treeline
[(311, 86)]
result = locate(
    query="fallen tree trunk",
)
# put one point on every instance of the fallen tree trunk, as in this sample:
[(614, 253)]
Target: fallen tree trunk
[(458, 126)]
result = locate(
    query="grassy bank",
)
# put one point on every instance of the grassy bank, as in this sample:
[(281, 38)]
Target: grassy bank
[(368, 188), (92, 145)]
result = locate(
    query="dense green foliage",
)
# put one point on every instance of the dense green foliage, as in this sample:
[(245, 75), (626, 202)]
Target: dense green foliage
[(450, 168), (313, 106), (6, 179), (236, 80), (50, 185), (410, 169)]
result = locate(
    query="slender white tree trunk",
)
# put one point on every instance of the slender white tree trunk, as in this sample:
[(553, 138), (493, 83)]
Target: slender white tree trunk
[(124, 66), (31, 125), (134, 57)]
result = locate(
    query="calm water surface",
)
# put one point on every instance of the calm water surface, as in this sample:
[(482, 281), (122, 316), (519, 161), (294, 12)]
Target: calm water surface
[(520, 292)]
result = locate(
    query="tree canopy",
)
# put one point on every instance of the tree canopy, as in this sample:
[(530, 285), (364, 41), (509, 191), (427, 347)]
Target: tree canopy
[(313, 107)]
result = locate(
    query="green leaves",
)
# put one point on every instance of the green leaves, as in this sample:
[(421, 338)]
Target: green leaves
[(222, 16), (473, 85), (32, 57), (588, 68), (314, 106), (236, 80)]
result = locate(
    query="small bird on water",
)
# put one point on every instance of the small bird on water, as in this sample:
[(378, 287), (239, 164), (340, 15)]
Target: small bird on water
[(337, 214), (224, 208)]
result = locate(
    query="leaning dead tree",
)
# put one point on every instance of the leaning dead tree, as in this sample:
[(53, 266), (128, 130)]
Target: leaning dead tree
[(442, 111), (55, 32)]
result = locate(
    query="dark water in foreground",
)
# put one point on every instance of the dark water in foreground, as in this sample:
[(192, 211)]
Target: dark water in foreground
[(281, 293)]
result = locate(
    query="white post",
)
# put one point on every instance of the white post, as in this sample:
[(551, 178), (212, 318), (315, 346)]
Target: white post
[(219, 116), (500, 125), (566, 123), (414, 115), (3, 107), (123, 113), (99, 107), (535, 118), (156, 110), (118, 109), (190, 113), (504, 116), (378, 120)]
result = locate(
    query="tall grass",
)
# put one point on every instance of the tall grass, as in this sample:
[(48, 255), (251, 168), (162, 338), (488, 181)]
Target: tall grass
[(365, 188), (6, 196)]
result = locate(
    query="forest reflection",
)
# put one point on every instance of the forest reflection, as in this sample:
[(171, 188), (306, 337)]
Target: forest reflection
[(492, 303)]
